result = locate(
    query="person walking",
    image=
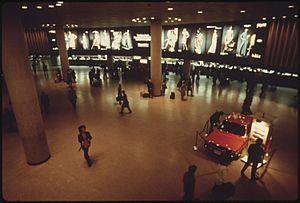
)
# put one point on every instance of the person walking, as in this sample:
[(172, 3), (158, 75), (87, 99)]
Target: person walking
[(34, 67), (69, 78), (84, 138), (125, 103), (189, 183), (45, 102), (73, 75), (215, 119), (91, 76), (73, 97), (45, 69), (189, 87), (255, 156), (150, 88), (119, 94), (183, 90), (163, 88)]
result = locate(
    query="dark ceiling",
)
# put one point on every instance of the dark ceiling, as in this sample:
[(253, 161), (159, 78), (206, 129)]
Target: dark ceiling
[(118, 14)]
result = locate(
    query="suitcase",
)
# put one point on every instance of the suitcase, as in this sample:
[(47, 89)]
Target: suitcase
[(146, 95), (118, 98), (172, 96)]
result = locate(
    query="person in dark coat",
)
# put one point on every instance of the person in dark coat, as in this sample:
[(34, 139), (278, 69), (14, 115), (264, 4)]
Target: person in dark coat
[(69, 78), (119, 94), (84, 138), (45, 69), (150, 88), (189, 183), (163, 88), (45, 102), (34, 67), (255, 156), (73, 97), (215, 119), (73, 75), (91, 76), (125, 103), (189, 87), (58, 76)]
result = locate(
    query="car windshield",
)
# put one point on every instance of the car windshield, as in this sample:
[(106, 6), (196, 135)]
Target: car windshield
[(234, 128)]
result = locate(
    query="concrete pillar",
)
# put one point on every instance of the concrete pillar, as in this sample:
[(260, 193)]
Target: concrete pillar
[(186, 68), (155, 69), (63, 53), (20, 84)]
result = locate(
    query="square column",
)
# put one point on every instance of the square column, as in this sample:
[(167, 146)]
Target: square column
[(62, 49), (21, 86), (155, 69)]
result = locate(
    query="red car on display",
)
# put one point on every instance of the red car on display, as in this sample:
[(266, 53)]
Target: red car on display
[(231, 137)]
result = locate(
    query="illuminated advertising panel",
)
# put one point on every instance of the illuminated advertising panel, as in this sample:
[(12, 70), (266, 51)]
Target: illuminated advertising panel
[(71, 39), (83, 40), (95, 39), (170, 39), (184, 39), (246, 41), (229, 40), (213, 39)]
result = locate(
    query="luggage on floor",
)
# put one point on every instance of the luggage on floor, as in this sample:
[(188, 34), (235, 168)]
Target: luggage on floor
[(118, 98), (172, 96)]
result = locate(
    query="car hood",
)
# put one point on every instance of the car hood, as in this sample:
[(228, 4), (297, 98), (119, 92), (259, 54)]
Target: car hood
[(226, 139)]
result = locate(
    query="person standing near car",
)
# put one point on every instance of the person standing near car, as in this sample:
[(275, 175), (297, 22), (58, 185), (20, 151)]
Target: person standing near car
[(255, 156), (84, 138), (215, 119)]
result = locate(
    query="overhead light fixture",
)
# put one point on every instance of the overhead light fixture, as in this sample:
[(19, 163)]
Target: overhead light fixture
[(53, 40), (133, 20), (139, 21), (169, 18), (170, 9), (58, 4), (175, 18), (52, 31), (76, 25), (166, 21), (47, 25), (137, 18), (199, 11), (242, 11), (291, 6), (53, 24), (152, 18), (179, 19), (264, 18), (172, 21), (259, 40), (43, 25), (144, 18), (39, 7), (296, 16), (24, 7), (86, 32), (50, 6), (145, 21), (273, 17), (283, 17)]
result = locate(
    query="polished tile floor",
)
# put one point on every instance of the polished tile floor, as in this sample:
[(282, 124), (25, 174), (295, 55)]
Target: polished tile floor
[(143, 155)]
